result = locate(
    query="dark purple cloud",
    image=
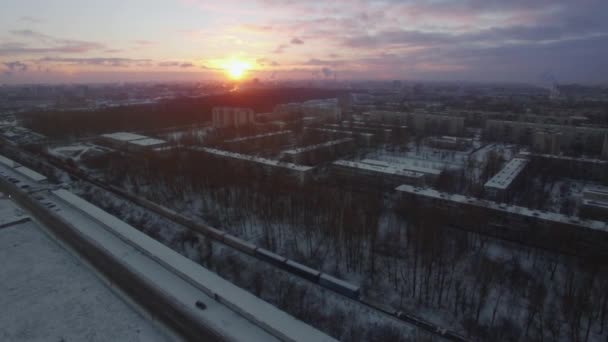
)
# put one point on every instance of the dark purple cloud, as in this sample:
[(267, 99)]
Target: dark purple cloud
[(15, 66), (297, 41), (169, 64)]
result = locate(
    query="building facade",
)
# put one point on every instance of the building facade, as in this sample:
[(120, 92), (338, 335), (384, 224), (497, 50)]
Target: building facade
[(232, 117)]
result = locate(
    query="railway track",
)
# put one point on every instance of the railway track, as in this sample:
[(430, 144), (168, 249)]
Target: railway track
[(247, 248)]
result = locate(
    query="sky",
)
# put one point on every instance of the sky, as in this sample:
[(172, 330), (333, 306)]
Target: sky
[(530, 41)]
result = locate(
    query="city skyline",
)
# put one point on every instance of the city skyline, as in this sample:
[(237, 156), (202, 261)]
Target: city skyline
[(166, 40)]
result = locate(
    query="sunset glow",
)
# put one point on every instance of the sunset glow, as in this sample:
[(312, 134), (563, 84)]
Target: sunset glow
[(281, 40), (236, 69)]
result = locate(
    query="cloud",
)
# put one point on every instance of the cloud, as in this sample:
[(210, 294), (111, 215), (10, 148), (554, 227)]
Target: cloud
[(174, 64), (97, 61), (446, 39), (16, 66), (280, 49), (33, 42), (297, 41), (316, 61), (168, 64), (267, 62), (30, 19), (143, 42)]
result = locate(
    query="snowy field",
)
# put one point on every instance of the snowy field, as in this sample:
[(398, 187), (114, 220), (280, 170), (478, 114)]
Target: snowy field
[(47, 295)]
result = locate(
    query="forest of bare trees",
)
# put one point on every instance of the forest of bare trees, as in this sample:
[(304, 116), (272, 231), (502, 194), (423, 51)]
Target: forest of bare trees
[(404, 256)]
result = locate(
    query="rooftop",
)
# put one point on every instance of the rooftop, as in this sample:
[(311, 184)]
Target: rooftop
[(31, 174), (316, 146), (505, 177), (379, 167), (123, 136), (255, 159), (51, 296), (251, 137), (542, 215), (147, 142), (7, 162), (404, 164)]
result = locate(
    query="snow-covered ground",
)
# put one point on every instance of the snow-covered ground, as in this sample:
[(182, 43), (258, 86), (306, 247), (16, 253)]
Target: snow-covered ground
[(323, 309), (77, 151), (47, 295), (196, 134)]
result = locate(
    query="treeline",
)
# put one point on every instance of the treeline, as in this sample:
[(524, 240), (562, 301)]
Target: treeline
[(169, 113)]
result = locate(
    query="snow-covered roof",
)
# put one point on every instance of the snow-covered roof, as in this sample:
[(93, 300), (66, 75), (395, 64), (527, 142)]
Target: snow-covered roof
[(379, 168), (123, 136), (317, 146), (31, 174), (7, 162), (527, 154), (371, 124), (473, 201), (449, 138), (147, 142), (54, 297), (407, 165), (341, 131), (253, 137), (505, 177), (255, 159), (596, 191), (595, 196)]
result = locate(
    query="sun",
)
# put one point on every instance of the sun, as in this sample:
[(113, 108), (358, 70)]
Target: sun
[(236, 69)]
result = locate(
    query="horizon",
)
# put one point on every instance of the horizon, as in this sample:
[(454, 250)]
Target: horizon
[(536, 43)]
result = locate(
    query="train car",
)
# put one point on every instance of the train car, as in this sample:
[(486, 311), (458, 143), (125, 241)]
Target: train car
[(339, 285), (214, 233), (302, 270), (239, 244), (271, 257)]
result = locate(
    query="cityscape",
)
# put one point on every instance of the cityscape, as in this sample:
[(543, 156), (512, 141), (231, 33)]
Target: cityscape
[(273, 170)]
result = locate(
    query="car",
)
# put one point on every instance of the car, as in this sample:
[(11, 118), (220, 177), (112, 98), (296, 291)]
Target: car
[(199, 304)]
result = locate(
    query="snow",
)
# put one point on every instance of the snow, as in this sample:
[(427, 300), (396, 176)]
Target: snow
[(7, 162), (78, 151), (253, 137), (317, 146), (147, 142), (379, 168), (255, 159), (505, 177), (327, 303), (247, 305), (340, 131), (123, 136), (197, 133), (51, 297), (20, 179), (404, 164), (31, 174), (541, 215), (9, 213)]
